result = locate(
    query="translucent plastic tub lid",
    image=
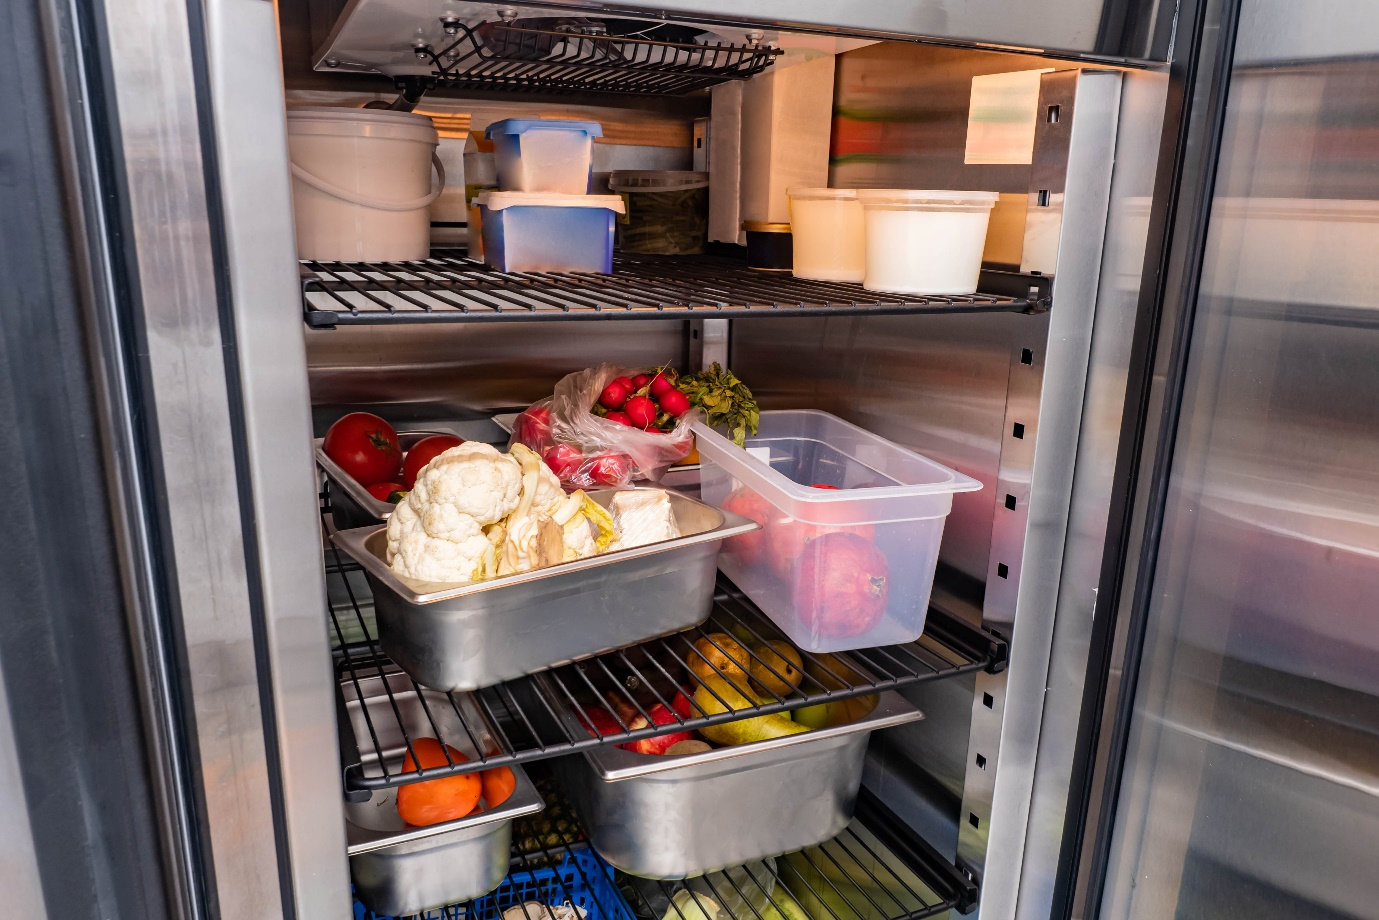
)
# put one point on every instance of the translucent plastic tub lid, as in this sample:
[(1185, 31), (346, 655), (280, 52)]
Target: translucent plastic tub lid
[(656, 180), (822, 194), (914, 196), (521, 125), (496, 201), (714, 447)]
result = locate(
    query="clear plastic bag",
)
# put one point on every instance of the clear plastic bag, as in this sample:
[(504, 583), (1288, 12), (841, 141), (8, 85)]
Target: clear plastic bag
[(587, 451)]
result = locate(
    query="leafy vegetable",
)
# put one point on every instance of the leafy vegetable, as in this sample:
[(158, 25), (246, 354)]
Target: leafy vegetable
[(725, 400)]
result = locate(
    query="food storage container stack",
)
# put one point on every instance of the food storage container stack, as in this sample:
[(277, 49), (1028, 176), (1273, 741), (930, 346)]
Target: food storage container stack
[(924, 241), (851, 526), (667, 211), (829, 236), (541, 219)]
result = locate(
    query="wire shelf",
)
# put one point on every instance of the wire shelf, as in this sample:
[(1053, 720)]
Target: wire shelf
[(383, 710), (522, 58), (876, 869), (450, 287)]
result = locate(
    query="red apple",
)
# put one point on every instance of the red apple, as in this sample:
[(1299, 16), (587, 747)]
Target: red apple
[(598, 721), (681, 705), (748, 547), (660, 715), (841, 585)]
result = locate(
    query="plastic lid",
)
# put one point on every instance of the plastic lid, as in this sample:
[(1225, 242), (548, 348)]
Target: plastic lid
[(822, 194), (764, 226), (519, 125), (357, 122), (884, 197), (656, 180), (496, 201)]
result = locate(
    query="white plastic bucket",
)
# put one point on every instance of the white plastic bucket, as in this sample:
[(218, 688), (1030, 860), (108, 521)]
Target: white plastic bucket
[(361, 183), (830, 239), (924, 241)]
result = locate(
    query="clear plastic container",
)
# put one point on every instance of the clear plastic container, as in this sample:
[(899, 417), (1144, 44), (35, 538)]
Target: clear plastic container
[(830, 239), (851, 526), (480, 175), (540, 155), (667, 210), (548, 233), (924, 241)]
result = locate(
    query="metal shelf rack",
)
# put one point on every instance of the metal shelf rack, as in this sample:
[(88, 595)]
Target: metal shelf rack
[(877, 867), (449, 287), (523, 715)]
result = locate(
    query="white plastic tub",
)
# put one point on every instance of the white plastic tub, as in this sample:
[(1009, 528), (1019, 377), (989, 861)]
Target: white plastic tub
[(836, 569), (924, 241), (361, 183), (830, 238), (541, 155)]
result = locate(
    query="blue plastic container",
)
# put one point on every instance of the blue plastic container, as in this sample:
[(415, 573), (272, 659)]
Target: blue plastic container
[(537, 155), (548, 233), (581, 878)]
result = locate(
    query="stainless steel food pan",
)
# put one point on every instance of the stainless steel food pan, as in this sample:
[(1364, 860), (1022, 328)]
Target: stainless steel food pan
[(470, 636), (351, 505), (668, 817), (398, 869)]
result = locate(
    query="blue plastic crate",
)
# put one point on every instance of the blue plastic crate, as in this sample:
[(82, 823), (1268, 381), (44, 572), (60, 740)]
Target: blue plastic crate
[(581, 878)]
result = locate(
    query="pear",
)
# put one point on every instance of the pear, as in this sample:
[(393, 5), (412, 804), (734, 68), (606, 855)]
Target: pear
[(714, 692), (834, 673), (777, 668), (722, 652)]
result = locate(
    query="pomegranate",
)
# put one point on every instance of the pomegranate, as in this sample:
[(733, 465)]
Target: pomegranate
[(841, 585), (786, 540), (749, 547)]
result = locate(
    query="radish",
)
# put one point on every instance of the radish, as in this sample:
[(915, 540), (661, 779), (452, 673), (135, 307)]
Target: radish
[(674, 402), (619, 417), (660, 384), (615, 394), (641, 411)]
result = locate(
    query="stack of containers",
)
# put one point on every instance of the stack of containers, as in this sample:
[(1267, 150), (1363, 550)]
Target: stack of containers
[(542, 218), (901, 241)]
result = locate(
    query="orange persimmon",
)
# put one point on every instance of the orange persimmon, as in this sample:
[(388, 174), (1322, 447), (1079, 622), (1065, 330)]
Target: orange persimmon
[(436, 800), (499, 783)]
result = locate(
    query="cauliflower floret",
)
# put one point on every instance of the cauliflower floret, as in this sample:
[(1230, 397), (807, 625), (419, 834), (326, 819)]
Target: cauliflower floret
[(549, 493), (413, 552), (474, 479), (533, 542)]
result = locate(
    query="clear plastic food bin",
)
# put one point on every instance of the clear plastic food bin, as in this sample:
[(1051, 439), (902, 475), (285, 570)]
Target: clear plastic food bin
[(851, 526), (924, 241), (544, 155), (548, 233)]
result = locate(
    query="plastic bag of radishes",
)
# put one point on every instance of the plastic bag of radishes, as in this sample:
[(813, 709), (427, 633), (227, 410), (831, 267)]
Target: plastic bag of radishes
[(608, 425)]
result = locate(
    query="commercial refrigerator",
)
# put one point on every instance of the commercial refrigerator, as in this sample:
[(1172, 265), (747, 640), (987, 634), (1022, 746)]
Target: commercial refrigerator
[(1148, 675)]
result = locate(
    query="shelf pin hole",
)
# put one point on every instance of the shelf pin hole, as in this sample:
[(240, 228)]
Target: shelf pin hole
[(972, 819), (981, 761), (1018, 429), (1002, 570), (1010, 502), (1053, 114), (1026, 356), (1043, 198), (988, 701)]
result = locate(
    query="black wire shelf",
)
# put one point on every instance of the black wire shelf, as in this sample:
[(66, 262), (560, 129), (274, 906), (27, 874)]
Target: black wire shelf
[(517, 57), (383, 711), (449, 287), (876, 869)]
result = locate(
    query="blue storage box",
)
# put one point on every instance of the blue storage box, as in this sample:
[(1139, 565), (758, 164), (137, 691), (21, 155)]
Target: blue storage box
[(548, 233), (581, 878), (540, 155)]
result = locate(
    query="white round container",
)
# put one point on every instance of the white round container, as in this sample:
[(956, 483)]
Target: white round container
[(830, 239), (361, 183), (924, 241)]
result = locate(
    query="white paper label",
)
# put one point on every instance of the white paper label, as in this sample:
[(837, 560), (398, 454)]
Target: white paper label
[(761, 453)]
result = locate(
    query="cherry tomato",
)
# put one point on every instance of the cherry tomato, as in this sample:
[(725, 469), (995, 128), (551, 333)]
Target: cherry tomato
[(381, 490), (660, 384), (641, 410), (563, 460), (436, 800), (640, 381), (365, 447), (619, 417), (674, 403), (422, 453), (611, 469), (615, 394)]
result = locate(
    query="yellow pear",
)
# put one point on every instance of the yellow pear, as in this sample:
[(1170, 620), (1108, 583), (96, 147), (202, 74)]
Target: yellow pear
[(776, 669), (837, 712), (719, 655), (715, 695)]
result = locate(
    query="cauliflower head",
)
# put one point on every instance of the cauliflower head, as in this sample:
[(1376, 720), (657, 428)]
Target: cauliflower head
[(437, 545), (473, 480)]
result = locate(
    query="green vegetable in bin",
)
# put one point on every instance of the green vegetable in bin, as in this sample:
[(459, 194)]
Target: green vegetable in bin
[(672, 222)]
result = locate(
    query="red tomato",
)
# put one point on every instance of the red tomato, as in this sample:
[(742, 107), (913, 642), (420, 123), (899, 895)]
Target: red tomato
[(674, 403), (533, 426), (365, 447), (641, 411), (563, 460), (381, 490), (615, 394), (640, 381), (619, 417), (423, 452), (660, 384), (611, 469), (436, 800)]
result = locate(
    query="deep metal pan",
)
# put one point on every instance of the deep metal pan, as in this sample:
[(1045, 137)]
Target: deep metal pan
[(666, 817), (398, 869), (351, 505), (464, 637)]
